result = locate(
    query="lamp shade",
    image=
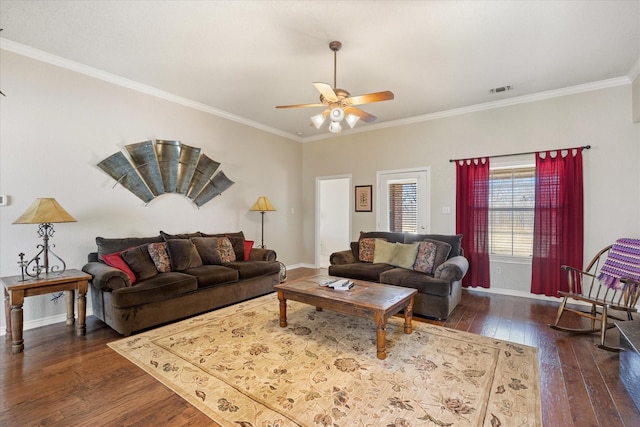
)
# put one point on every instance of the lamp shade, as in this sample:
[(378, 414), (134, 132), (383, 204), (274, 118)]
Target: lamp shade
[(334, 127), (318, 120), (262, 205), (44, 211)]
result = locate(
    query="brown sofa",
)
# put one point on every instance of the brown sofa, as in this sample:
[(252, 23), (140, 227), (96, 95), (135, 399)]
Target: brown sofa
[(196, 281), (439, 291)]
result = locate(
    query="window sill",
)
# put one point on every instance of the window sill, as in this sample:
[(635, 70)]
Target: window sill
[(510, 259)]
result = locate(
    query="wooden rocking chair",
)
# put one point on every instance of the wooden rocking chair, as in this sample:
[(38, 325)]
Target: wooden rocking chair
[(599, 295)]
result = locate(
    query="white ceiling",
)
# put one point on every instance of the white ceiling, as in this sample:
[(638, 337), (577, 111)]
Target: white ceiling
[(240, 59)]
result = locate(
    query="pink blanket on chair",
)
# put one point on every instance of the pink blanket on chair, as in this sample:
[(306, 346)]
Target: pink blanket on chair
[(623, 262)]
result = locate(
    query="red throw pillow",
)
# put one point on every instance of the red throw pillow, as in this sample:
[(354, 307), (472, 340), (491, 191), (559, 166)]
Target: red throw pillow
[(116, 261), (248, 244)]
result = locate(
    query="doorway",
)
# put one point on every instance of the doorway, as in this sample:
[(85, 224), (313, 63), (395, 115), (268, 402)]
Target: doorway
[(333, 219)]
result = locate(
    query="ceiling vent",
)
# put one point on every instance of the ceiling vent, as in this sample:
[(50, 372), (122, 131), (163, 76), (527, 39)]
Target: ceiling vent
[(501, 89)]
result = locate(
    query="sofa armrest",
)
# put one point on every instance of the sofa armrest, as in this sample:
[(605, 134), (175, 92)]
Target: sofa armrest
[(260, 254), (452, 269), (106, 278), (342, 257)]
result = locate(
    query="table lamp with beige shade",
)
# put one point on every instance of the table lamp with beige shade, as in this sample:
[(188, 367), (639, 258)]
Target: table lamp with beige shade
[(45, 212)]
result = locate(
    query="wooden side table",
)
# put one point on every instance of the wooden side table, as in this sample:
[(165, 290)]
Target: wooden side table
[(15, 292)]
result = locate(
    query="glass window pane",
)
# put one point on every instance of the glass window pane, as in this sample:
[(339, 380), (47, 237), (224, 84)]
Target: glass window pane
[(403, 207), (511, 210)]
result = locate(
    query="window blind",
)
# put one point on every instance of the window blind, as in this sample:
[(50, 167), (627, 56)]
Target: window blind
[(511, 211), (403, 212)]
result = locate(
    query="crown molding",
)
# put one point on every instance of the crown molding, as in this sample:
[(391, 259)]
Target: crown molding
[(587, 87), (121, 81), (130, 84)]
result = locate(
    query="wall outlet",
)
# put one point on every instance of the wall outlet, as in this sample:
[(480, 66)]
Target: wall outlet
[(446, 210), (499, 270)]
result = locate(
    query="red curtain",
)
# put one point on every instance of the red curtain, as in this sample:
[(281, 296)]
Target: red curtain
[(558, 231), (472, 218)]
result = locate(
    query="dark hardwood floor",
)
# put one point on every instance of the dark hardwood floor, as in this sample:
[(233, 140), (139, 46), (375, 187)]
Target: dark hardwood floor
[(64, 380)]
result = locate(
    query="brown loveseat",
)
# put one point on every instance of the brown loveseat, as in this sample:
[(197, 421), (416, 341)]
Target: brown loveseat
[(196, 278), (437, 279)]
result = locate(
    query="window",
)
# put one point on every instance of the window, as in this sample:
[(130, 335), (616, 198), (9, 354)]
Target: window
[(402, 202), (403, 207), (511, 210)]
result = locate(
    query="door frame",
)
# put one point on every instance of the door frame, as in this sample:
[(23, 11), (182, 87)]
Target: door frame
[(426, 194), (319, 180)]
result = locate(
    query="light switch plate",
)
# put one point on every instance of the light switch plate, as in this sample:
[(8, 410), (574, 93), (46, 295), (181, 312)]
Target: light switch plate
[(4, 200)]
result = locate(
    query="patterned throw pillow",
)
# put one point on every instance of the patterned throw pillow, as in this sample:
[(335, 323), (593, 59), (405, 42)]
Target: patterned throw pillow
[(426, 257), (367, 249), (160, 257), (225, 248)]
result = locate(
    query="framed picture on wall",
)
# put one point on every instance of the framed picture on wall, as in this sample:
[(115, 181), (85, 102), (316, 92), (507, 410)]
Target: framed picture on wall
[(363, 198)]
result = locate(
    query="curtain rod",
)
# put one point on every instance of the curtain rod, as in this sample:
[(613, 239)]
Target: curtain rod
[(586, 147)]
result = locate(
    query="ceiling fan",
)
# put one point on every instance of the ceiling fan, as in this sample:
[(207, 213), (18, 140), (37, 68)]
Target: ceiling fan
[(339, 103)]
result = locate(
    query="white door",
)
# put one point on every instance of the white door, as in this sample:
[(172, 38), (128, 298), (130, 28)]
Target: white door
[(333, 219), (404, 201)]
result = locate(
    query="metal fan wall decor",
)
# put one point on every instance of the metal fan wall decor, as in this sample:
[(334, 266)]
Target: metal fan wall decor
[(166, 167), (338, 103)]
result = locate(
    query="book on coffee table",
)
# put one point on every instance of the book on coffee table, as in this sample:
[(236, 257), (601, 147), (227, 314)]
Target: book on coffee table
[(338, 284)]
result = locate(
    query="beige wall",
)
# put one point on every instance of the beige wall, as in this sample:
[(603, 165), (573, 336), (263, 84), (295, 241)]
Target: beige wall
[(600, 118), (56, 125), (635, 88)]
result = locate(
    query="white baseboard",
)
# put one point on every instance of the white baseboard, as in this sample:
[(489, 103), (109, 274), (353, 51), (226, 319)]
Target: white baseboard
[(513, 293), (36, 323)]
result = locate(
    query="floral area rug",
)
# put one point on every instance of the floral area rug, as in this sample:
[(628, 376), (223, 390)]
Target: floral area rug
[(238, 366)]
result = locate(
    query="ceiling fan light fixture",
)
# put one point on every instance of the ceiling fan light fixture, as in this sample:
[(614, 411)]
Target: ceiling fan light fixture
[(318, 120), (334, 127), (352, 119), (335, 100), (337, 114)]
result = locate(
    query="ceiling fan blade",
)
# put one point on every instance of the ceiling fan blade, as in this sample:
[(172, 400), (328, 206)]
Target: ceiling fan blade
[(300, 106), (364, 116), (326, 91), (370, 97)]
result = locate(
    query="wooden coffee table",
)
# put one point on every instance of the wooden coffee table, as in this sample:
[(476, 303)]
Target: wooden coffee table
[(366, 299)]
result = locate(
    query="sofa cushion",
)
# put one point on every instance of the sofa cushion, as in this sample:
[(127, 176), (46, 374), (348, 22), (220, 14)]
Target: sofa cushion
[(162, 286), (431, 254), (225, 249), (366, 249), (115, 260), (167, 236), (159, 256), (233, 234), (424, 283), (212, 275), (183, 254), (207, 248), (389, 236), (398, 254), (359, 270), (443, 250), (140, 262), (249, 269), (236, 239), (355, 250), (109, 246), (455, 240)]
